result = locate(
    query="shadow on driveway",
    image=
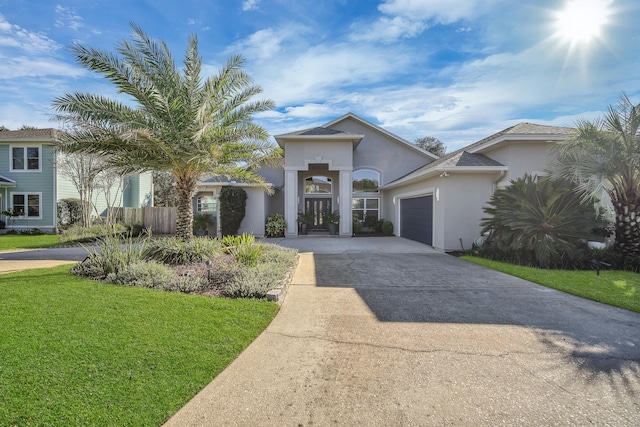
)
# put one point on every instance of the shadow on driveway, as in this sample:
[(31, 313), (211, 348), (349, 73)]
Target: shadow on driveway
[(439, 288)]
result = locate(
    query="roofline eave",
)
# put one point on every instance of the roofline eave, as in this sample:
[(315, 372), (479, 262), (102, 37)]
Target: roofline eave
[(522, 137), (429, 173)]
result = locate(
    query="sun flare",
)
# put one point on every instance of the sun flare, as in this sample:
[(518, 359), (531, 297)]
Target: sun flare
[(581, 21)]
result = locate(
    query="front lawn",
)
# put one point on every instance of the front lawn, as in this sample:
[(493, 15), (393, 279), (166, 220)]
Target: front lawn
[(26, 241), (613, 287), (78, 352)]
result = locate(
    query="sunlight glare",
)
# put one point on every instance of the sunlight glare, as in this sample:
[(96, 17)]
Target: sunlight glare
[(581, 21)]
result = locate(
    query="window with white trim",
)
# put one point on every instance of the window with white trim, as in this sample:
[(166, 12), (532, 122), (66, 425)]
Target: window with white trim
[(25, 158), (207, 204), (26, 205), (365, 207), (317, 185), (365, 181)]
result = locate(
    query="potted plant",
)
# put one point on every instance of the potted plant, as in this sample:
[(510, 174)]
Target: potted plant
[(304, 220), (332, 219)]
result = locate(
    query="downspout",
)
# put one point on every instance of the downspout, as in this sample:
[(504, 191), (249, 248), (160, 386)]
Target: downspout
[(500, 178)]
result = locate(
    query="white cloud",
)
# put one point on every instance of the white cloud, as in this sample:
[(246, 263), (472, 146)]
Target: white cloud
[(409, 18), (30, 42), (440, 11), (262, 44), (250, 5), (325, 71), (67, 17), (388, 29), (16, 67)]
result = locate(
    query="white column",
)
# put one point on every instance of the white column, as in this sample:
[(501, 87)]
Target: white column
[(345, 203), (291, 202)]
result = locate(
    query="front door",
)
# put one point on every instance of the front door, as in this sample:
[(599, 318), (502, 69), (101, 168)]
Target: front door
[(318, 206)]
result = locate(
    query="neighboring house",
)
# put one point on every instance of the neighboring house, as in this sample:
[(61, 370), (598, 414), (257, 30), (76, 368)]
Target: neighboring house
[(129, 191), (361, 170), (30, 184), (28, 178)]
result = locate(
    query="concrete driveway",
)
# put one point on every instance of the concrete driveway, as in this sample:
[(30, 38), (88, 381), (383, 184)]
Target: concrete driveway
[(385, 331)]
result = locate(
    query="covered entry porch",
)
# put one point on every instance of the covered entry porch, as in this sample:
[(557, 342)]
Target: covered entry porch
[(312, 194), (317, 176)]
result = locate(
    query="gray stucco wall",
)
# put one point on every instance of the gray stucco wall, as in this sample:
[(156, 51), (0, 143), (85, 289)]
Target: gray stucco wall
[(523, 157), (380, 152), (255, 215), (457, 206)]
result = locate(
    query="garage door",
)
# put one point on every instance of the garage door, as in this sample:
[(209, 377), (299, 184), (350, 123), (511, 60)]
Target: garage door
[(416, 219)]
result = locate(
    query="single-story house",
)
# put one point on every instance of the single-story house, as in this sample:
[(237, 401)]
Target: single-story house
[(31, 184), (362, 170)]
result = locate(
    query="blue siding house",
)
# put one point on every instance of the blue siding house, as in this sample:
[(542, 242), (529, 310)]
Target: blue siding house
[(28, 178), (30, 184)]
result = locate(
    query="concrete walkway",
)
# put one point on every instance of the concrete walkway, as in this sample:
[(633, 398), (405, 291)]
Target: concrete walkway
[(26, 259), (386, 332)]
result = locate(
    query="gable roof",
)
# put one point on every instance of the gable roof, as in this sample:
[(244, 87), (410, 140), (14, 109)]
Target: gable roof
[(470, 158), (319, 133), (382, 131), (522, 132), (30, 135)]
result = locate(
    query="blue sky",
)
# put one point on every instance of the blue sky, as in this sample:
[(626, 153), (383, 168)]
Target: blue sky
[(458, 70)]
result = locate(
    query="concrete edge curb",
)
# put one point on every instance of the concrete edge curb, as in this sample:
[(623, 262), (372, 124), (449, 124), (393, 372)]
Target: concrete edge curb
[(279, 294)]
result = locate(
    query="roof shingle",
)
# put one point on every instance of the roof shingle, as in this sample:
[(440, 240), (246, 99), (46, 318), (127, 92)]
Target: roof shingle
[(35, 134)]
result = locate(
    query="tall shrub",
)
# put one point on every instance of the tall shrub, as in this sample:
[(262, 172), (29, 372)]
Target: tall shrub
[(233, 203), (69, 212), (538, 223)]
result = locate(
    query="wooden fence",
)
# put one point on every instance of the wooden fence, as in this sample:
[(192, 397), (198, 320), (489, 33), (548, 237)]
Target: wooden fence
[(159, 220)]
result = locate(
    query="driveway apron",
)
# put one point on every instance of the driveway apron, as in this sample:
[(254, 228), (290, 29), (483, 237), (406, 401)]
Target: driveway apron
[(385, 331)]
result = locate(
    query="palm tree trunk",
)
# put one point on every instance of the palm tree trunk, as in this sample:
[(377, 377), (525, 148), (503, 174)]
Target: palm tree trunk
[(628, 227), (185, 187)]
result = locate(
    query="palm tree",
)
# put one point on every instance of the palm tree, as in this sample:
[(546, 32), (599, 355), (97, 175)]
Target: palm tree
[(173, 120), (603, 159)]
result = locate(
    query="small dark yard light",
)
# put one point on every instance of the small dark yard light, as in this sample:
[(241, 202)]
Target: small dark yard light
[(597, 265), (209, 267)]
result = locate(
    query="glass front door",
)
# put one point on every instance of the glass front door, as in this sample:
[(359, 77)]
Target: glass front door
[(318, 206)]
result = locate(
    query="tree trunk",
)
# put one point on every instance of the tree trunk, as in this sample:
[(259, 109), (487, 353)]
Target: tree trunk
[(185, 187), (627, 228)]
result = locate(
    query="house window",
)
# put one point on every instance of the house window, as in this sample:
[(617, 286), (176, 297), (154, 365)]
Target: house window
[(27, 205), (365, 181), (25, 158), (207, 204), (365, 209), (317, 185)]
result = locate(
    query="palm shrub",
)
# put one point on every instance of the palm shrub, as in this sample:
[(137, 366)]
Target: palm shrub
[(233, 203), (538, 222), (603, 160), (175, 251)]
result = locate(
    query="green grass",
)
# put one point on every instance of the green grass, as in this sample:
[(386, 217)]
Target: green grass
[(613, 287), (25, 241), (76, 352)]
